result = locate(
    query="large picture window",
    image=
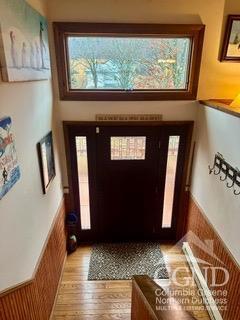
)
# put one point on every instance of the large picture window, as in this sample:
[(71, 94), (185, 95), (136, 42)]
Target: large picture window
[(103, 63), (128, 62)]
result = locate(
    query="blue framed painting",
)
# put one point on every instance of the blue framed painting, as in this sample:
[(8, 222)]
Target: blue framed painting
[(9, 168)]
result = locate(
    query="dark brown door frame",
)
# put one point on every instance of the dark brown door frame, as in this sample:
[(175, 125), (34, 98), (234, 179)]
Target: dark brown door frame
[(68, 127)]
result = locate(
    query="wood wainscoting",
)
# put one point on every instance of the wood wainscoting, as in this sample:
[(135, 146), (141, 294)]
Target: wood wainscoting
[(202, 228), (34, 299)]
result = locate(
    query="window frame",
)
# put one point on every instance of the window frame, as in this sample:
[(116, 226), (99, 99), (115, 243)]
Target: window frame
[(62, 30)]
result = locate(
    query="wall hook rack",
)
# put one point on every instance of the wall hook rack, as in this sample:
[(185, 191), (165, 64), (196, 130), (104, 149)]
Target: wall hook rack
[(227, 173)]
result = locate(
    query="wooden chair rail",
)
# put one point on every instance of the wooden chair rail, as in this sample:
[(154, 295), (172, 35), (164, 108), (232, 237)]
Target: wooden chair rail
[(144, 302)]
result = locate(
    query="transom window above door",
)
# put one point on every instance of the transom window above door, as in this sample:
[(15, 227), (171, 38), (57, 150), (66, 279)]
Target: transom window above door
[(128, 61), (107, 63)]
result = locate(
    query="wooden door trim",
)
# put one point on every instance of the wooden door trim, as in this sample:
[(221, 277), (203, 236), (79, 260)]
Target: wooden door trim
[(181, 227), (67, 124), (183, 205)]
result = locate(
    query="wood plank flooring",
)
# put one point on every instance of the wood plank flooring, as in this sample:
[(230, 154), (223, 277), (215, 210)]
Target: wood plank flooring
[(79, 299)]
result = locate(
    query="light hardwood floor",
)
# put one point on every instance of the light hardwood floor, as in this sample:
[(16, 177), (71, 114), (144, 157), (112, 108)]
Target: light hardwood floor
[(79, 299)]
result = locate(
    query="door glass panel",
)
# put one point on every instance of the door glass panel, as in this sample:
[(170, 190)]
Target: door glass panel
[(128, 148), (173, 147), (83, 181)]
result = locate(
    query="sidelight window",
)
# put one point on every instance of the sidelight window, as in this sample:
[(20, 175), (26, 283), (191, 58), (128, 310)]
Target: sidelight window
[(173, 147), (83, 181)]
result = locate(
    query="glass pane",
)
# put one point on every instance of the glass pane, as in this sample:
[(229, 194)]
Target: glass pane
[(128, 63), (128, 148), (82, 162), (170, 181)]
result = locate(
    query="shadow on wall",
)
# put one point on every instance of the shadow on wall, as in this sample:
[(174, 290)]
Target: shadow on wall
[(199, 147)]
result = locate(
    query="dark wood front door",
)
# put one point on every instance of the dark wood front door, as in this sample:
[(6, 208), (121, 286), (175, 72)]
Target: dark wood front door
[(128, 163), (127, 181)]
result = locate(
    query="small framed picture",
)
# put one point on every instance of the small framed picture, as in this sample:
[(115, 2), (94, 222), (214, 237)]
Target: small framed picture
[(231, 42), (46, 161)]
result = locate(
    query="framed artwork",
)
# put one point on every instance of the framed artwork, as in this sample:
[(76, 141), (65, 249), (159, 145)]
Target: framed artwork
[(46, 161), (24, 49), (231, 42), (9, 168)]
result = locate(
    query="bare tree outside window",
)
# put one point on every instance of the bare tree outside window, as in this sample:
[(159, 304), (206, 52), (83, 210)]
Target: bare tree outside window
[(128, 63)]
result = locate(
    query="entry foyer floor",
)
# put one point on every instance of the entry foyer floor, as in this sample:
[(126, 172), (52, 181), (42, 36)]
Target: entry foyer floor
[(80, 299)]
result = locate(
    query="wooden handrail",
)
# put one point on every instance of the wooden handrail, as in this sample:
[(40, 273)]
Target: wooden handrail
[(144, 302)]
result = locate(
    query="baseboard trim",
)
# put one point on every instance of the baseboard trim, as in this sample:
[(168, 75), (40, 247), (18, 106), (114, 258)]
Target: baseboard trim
[(201, 283)]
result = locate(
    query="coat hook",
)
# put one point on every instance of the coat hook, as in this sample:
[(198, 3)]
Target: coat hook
[(232, 176), (237, 182), (224, 178), (224, 170), (218, 162), (211, 169), (217, 172), (230, 185), (227, 173), (236, 193)]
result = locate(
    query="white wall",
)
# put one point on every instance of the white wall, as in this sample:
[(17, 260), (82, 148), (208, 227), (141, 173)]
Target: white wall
[(26, 214), (217, 132)]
